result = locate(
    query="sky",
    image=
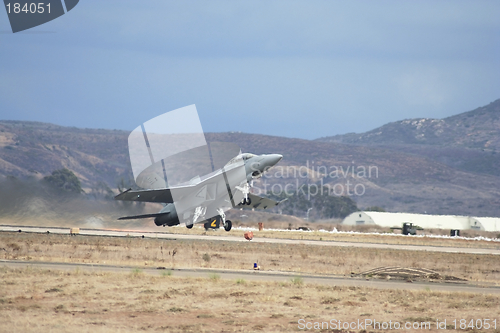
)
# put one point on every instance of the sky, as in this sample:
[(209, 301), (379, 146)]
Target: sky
[(302, 69)]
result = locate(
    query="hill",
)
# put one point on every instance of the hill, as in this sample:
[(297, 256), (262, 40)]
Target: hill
[(469, 141), (372, 174), (477, 129), (34, 150)]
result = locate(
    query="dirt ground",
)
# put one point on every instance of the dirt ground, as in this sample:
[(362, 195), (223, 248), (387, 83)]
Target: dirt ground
[(37, 300), (34, 300)]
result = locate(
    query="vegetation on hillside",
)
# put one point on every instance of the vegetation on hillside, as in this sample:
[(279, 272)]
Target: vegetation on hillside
[(374, 209), (64, 180), (320, 206)]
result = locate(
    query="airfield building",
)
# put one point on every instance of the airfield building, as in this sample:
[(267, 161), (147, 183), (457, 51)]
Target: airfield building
[(486, 223), (409, 222)]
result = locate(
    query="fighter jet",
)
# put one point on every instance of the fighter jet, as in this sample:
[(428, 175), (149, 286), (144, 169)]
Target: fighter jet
[(205, 197)]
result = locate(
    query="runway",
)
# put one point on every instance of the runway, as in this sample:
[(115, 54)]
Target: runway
[(162, 235), (262, 276)]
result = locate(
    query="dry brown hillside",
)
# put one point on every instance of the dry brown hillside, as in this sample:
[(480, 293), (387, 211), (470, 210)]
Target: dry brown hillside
[(397, 180)]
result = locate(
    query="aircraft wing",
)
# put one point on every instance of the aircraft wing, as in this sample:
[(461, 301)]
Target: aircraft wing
[(141, 216), (161, 195), (260, 202), (164, 195)]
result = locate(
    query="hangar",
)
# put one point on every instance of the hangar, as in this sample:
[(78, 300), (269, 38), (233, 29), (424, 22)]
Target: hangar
[(486, 223), (410, 222)]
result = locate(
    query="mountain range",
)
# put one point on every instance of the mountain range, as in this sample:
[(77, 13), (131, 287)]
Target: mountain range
[(438, 166), (469, 141)]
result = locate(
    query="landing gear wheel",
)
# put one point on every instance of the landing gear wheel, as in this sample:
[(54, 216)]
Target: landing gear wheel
[(189, 226), (228, 225), (248, 201)]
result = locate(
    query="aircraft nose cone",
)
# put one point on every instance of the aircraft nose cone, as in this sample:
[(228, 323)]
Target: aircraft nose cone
[(275, 158)]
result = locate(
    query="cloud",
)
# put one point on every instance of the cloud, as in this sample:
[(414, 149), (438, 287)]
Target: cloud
[(292, 68)]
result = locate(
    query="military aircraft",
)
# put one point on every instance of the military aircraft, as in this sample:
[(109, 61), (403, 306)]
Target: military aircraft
[(204, 197)]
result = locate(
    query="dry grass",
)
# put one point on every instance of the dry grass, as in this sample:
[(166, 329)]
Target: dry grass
[(298, 258), (35, 300)]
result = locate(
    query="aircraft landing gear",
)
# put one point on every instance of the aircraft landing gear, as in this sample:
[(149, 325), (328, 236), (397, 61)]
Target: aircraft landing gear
[(199, 211), (245, 189), (226, 223), (189, 226)]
